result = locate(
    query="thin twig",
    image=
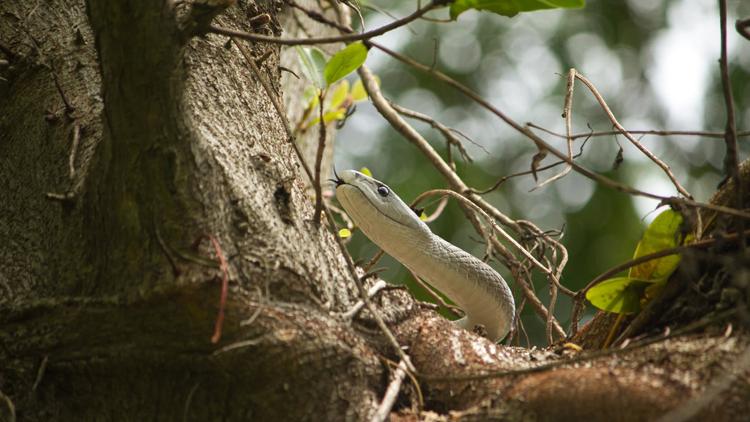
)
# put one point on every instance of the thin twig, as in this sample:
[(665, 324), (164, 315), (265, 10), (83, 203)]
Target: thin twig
[(435, 296), (62, 197), (318, 17), (73, 191), (327, 40), (442, 203), (189, 401), (40, 373), (218, 326), (568, 116), (241, 344), (521, 327), (558, 247), (447, 132), (717, 135), (344, 216), (630, 137), (319, 160), (371, 292), (529, 294), (374, 260), (504, 179), (74, 151), (69, 109), (391, 393), (731, 160), (9, 404)]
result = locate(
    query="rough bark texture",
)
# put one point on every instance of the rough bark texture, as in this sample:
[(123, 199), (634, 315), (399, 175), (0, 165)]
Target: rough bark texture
[(178, 141), (110, 292)]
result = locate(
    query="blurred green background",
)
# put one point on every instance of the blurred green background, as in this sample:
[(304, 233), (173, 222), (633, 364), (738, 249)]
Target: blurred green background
[(654, 62)]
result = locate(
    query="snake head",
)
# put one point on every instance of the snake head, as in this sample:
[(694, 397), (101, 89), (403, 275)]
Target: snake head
[(371, 203)]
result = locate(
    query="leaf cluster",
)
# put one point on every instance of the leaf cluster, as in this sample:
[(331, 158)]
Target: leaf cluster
[(511, 7), (623, 295)]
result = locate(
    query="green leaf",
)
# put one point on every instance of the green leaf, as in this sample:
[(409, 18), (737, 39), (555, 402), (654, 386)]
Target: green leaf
[(511, 7), (339, 95), (328, 118), (358, 90), (423, 216), (313, 63), (618, 295), (334, 115), (663, 233), (311, 96), (344, 233), (344, 62), (365, 171)]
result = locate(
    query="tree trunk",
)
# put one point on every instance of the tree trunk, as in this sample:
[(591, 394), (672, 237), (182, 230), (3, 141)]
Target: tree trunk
[(137, 154)]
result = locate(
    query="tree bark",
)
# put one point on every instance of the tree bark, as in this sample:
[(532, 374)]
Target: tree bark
[(134, 151)]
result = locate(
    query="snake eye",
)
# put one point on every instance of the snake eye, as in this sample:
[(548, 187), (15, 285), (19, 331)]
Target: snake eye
[(383, 191)]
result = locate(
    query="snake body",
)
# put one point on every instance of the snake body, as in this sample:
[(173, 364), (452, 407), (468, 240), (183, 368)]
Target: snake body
[(473, 285)]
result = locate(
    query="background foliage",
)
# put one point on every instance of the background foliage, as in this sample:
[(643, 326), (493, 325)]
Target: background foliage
[(654, 62)]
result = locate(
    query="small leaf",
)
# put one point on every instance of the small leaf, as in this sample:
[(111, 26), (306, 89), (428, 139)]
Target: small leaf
[(312, 123), (339, 95), (572, 346), (663, 233), (313, 63), (311, 96), (334, 115), (511, 7), (619, 295), (344, 62), (358, 90), (344, 233), (423, 216), (365, 171), (328, 118)]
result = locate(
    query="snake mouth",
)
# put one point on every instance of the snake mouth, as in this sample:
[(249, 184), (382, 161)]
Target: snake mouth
[(337, 180)]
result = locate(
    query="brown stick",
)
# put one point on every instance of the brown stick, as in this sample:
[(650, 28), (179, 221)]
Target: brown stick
[(327, 40)]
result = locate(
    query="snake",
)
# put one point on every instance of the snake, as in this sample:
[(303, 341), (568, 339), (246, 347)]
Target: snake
[(470, 283)]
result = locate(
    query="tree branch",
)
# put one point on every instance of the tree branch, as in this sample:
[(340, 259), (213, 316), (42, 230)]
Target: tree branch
[(610, 183), (328, 40), (731, 160), (630, 137)]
